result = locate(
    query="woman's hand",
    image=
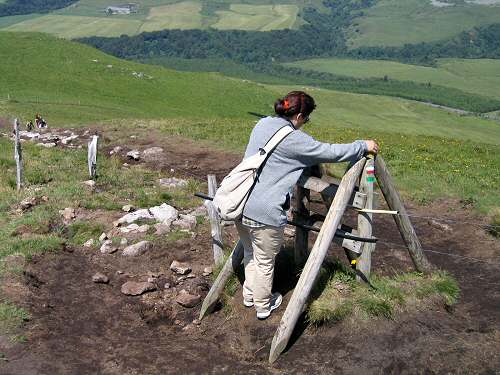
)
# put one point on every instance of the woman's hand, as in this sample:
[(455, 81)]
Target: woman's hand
[(372, 146)]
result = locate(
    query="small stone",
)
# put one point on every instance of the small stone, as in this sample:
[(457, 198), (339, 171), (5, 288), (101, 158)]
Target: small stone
[(123, 242), (119, 272), (108, 247), (207, 271), (134, 228), (164, 213), (68, 213), (177, 322), (128, 208), (137, 249), (185, 222), (152, 151), (89, 183), (115, 150), (69, 139), (47, 145), (167, 286), (180, 268), (161, 228), (103, 237), (142, 214), (134, 154), (441, 226), (27, 203), (100, 278), (173, 182), (89, 243), (134, 288), (196, 322), (199, 211), (151, 279), (125, 165), (186, 299)]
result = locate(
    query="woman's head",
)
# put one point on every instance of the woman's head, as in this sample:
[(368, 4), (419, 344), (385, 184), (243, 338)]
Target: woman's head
[(294, 103)]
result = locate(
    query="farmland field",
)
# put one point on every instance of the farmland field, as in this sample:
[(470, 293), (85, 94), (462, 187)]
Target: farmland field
[(478, 76), (396, 22)]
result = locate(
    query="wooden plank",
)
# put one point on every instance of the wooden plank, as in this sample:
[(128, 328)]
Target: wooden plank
[(18, 156), (232, 263), (92, 156), (402, 220), (314, 261), (365, 221), (301, 214), (215, 224)]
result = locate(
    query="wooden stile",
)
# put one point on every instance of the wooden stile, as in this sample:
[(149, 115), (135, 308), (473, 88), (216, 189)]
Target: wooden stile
[(312, 267), (402, 220), (215, 222), (301, 214), (234, 260), (92, 157), (18, 156)]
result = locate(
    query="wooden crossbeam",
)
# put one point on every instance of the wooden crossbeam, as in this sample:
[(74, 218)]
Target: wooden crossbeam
[(215, 225)]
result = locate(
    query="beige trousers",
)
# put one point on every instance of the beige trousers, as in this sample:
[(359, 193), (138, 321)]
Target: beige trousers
[(260, 248)]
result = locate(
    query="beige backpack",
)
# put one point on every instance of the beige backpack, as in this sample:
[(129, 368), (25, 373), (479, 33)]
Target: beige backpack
[(231, 196)]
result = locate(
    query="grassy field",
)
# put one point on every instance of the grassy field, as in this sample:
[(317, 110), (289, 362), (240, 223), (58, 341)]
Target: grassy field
[(478, 76), (431, 152), (185, 15), (396, 22)]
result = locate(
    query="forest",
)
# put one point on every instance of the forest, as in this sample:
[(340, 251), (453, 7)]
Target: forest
[(17, 7)]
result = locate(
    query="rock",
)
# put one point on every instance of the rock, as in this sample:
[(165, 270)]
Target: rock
[(68, 213), (137, 249), (100, 278), (167, 286), (125, 165), (30, 135), (128, 208), (142, 214), (123, 242), (27, 203), (441, 226), (89, 243), (185, 222), (199, 211), (207, 271), (47, 145), (133, 288), (134, 154), (134, 228), (197, 322), (186, 299), (151, 280), (69, 139), (152, 151), (108, 247), (103, 237), (49, 137), (172, 182), (180, 267), (89, 183), (115, 150), (161, 228), (164, 213)]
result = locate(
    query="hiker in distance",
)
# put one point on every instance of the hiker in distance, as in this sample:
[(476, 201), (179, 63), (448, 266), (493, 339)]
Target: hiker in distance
[(261, 227)]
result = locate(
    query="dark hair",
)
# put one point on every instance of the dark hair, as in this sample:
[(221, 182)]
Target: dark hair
[(293, 103)]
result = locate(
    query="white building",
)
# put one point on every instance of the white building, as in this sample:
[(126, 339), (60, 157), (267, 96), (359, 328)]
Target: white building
[(121, 9)]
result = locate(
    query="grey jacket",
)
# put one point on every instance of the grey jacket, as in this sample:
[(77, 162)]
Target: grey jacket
[(268, 200)]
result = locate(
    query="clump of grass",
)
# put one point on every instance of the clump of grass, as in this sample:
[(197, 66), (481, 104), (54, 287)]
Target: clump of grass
[(11, 317), (494, 228), (81, 231), (338, 296)]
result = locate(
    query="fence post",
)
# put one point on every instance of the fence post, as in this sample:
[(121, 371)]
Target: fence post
[(215, 222), (18, 155), (301, 214), (312, 267), (92, 157)]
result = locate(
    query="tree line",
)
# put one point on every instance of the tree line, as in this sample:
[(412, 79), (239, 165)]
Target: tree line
[(16, 7)]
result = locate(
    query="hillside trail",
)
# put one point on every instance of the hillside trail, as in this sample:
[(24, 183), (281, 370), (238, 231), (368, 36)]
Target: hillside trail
[(79, 327)]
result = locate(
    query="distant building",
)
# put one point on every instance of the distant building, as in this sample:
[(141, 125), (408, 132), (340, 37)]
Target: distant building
[(121, 9)]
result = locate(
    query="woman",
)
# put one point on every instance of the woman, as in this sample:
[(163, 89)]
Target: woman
[(264, 216)]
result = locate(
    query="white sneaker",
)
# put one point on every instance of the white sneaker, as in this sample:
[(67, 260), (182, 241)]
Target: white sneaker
[(247, 303), (276, 300)]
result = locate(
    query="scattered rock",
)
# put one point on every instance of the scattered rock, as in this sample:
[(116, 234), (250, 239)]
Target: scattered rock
[(30, 135), (164, 213), (103, 237), (108, 247), (133, 288), (47, 145), (68, 213), (49, 137), (172, 182), (207, 271), (27, 203), (115, 150), (89, 183), (100, 278), (69, 139), (137, 249), (142, 214), (199, 211), (151, 279), (128, 208), (152, 152), (441, 226), (185, 222), (134, 228), (185, 299), (134, 154), (180, 267), (89, 243), (161, 228), (196, 322), (123, 242), (167, 286)]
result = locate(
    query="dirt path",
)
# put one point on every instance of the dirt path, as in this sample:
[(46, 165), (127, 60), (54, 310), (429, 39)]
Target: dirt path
[(79, 327)]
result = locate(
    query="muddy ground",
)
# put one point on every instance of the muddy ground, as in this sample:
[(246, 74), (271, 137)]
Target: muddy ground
[(79, 327)]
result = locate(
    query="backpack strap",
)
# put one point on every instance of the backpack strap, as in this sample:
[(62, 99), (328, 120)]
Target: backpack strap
[(277, 138)]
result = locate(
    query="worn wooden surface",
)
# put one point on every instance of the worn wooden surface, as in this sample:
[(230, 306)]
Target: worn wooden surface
[(92, 157), (234, 260), (215, 224), (402, 220), (18, 156), (312, 267), (365, 223), (301, 214)]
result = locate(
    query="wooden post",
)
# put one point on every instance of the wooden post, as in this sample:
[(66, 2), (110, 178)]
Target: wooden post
[(301, 214), (313, 264), (365, 221), (18, 155), (405, 227), (232, 263), (215, 222), (92, 157)]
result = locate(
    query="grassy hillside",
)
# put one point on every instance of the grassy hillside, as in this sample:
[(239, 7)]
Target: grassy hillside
[(87, 17), (396, 22), (478, 76)]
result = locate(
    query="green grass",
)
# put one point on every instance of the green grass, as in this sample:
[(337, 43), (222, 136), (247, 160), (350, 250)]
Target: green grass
[(337, 295), (396, 22), (478, 76), (11, 318)]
